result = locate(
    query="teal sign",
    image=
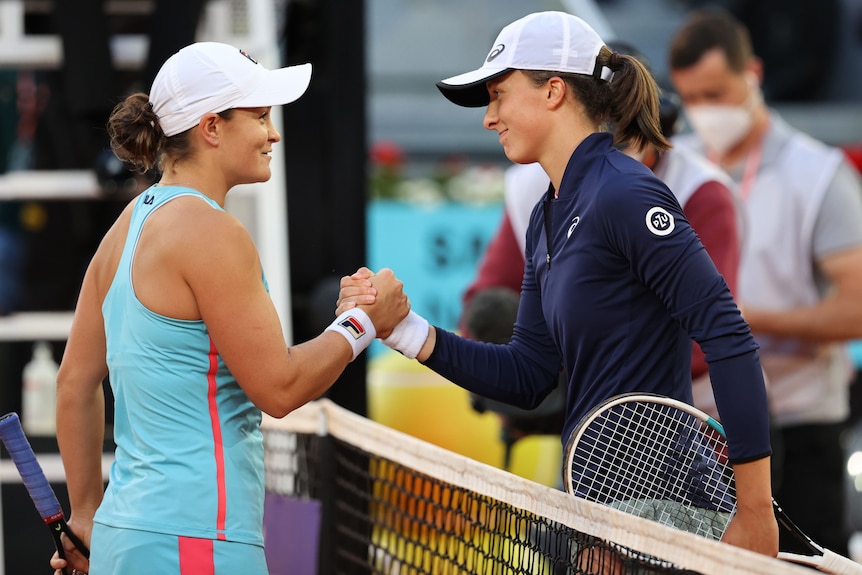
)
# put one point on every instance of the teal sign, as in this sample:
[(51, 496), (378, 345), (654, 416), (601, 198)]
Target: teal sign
[(435, 250)]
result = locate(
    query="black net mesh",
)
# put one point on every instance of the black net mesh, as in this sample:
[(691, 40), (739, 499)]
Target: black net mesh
[(384, 517)]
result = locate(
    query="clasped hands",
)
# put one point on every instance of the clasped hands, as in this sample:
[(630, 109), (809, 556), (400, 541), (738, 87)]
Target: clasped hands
[(381, 296)]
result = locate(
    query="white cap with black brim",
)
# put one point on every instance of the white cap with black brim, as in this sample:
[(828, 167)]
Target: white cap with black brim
[(547, 41)]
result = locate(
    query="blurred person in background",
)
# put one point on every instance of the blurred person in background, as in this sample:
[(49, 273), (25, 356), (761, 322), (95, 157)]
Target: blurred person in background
[(797, 41), (800, 280)]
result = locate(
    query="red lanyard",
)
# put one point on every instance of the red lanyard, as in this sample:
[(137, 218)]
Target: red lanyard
[(749, 174), (752, 165)]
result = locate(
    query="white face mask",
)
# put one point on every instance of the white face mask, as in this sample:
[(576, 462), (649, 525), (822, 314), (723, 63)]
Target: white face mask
[(720, 127), (723, 126)]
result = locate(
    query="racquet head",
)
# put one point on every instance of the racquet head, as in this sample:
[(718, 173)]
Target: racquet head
[(654, 457)]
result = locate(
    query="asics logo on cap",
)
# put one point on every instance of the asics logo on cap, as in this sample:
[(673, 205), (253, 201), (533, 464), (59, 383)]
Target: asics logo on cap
[(498, 49), (247, 55)]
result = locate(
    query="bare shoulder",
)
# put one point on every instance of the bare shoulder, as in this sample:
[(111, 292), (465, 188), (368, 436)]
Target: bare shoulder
[(200, 240), (206, 231)]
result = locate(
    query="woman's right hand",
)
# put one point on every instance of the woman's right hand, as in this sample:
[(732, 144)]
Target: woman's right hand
[(355, 290), (391, 304), (75, 559), (380, 295)]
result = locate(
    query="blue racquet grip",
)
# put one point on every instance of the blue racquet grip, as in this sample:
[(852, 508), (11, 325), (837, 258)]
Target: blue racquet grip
[(29, 469)]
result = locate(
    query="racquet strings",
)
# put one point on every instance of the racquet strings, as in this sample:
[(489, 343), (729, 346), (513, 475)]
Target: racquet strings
[(655, 461)]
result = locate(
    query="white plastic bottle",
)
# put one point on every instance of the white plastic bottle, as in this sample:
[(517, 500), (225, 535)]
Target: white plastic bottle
[(39, 394)]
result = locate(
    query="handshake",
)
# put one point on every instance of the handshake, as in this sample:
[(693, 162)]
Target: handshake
[(373, 305)]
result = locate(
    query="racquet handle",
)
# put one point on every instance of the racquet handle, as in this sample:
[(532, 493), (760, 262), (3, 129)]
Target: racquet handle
[(31, 472), (12, 436)]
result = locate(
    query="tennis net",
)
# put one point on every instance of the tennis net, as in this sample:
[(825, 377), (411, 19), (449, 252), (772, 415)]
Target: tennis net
[(346, 495)]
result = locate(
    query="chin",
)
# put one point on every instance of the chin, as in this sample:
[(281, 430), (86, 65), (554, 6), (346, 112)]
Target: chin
[(518, 159), (263, 176)]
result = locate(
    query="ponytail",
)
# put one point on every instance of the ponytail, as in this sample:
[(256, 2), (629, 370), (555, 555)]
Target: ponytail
[(634, 101)]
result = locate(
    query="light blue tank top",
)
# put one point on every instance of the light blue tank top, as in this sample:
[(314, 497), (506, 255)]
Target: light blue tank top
[(189, 457)]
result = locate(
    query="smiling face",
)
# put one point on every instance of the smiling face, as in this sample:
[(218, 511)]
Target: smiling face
[(517, 113), (247, 140)]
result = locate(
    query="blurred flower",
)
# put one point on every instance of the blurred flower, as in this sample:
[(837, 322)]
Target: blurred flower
[(420, 190), (477, 184), (452, 178), (451, 166), (387, 154), (387, 158)]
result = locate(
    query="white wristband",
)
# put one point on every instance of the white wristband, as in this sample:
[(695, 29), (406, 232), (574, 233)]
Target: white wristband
[(409, 336), (357, 329)]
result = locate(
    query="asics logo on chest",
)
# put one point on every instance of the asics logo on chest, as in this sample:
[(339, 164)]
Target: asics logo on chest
[(575, 221)]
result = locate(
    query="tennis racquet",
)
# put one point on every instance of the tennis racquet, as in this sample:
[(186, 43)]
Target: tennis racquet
[(36, 483), (663, 459)]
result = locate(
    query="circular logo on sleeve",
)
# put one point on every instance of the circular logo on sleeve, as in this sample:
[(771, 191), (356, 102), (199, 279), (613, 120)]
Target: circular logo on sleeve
[(659, 221)]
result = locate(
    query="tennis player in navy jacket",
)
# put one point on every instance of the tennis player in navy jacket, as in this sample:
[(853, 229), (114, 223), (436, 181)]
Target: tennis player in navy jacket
[(616, 284)]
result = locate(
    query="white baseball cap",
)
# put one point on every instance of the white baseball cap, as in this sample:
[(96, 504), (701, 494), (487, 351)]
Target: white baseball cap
[(550, 41), (211, 77)]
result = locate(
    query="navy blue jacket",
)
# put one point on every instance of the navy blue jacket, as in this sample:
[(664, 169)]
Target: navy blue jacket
[(616, 301)]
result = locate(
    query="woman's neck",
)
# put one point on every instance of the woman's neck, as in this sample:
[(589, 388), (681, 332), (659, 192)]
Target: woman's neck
[(197, 180), (560, 151)]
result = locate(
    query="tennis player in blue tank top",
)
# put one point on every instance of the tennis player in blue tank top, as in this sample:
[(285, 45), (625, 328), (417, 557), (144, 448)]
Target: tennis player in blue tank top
[(174, 308), (616, 284)]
